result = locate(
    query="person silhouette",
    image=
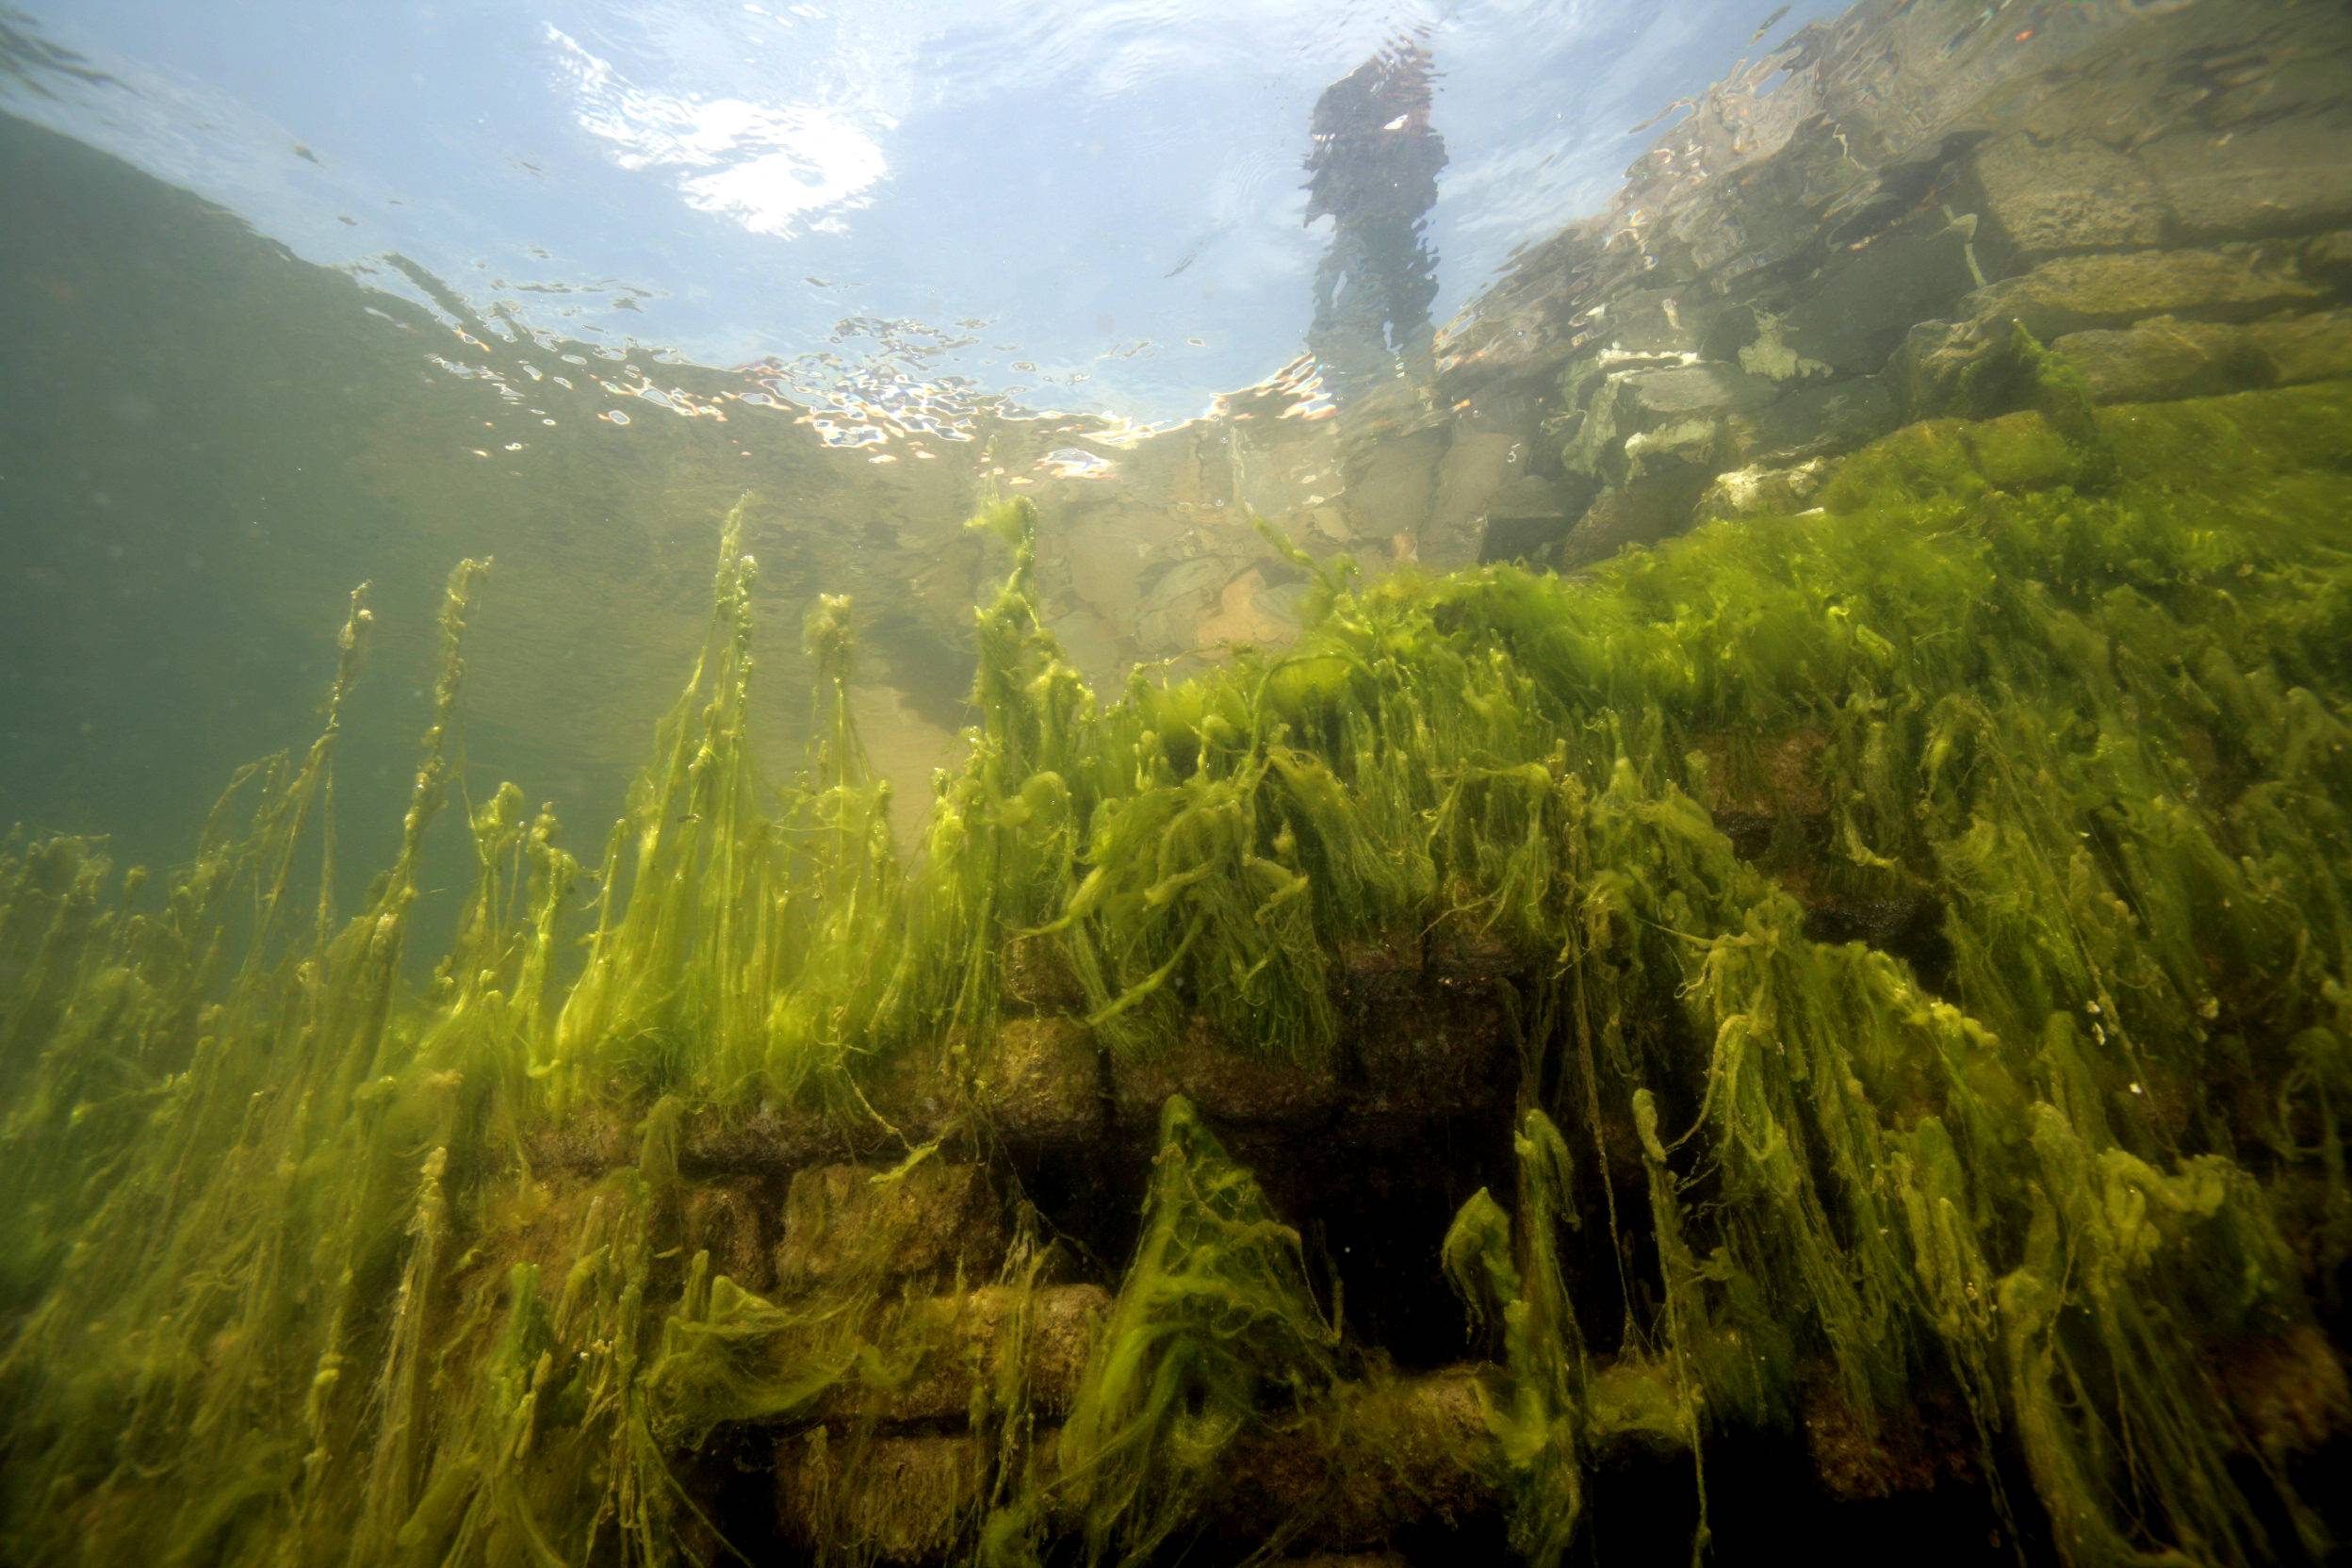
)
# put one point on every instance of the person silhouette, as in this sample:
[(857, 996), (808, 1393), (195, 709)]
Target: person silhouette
[(1372, 169)]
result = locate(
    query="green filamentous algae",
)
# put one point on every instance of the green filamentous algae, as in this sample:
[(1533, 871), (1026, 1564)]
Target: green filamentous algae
[(314, 1257)]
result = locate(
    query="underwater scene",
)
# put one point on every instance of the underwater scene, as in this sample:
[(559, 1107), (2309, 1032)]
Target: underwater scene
[(1071, 782)]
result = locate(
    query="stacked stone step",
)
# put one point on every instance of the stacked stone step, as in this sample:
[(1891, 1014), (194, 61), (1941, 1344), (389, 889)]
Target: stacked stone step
[(793, 1206), (1424, 1039), (797, 1208), (903, 1474), (898, 1473)]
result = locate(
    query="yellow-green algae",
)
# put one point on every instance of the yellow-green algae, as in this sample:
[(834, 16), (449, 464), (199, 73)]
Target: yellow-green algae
[(2079, 682)]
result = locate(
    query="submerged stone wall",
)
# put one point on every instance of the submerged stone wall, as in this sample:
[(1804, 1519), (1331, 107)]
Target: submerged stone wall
[(788, 1203), (1366, 1157), (1809, 259)]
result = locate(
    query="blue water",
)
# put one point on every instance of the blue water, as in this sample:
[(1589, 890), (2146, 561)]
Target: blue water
[(1074, 204)]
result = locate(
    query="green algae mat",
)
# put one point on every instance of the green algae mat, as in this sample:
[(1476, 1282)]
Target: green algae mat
[(2051, 710)]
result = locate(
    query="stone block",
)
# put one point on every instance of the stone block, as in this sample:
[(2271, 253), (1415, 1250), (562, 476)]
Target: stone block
[(1862, 303), (900, 1499), (1042, 1085), (932, 1221), (2023, 453), (1857, 1457), (1636, 1408), (1225, 1086), (2083, 293), (1037, 977), (2046, 200), (1822, 419), (1760, 491), (2164, 358), (1526, 518), (1648, 322), (539, 1221), (2326, 260), (1392, 483), (1477, 463), (1620, 519), (1686, 453), (1684, 401), (1763, 779), (2290, 1390), (2256, 181), (1175, 603), (1651, 397), (1436, 1047), (977, 1337), (1413, 1452), (1924, 373), (729, 1221)]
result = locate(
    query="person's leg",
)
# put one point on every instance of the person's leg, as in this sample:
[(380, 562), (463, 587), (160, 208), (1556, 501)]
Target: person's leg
[(1412, 289), (1348, 339)]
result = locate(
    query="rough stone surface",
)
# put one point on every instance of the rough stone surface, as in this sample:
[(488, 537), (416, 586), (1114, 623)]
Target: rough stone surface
[(1039, 979), (1764, 780), (1414, 1452), (2259, 180), (2163, 357), (1526, 518), (2326, 260), (1478, 465), (1857, 311), (1821, 421), (1228, 1086), (1759, 491), (1860, 1459), (729, 1219), (2045, 199), (1925, 372), (893, 1498), (1392, 486), (974, 1336), (938, 1220), (2291, 1390), (2080, 293), (1043, 1085), (1739, 302), (1427, 1045)]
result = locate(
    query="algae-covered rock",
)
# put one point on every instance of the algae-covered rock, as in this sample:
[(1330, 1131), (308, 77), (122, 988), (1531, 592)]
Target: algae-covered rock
[(2017, 452), (1037, 977), (936, 1220), (2165, 358), (1040, 1084), (1762, 780), (1482, 466), (2080, 293), (1228, 1086), (1857, 1457), (1634, 1405), (899, 1500), (1820, 420), (994, 1338), (2291, 1390), (1388, 1457), (1758, 490), (731, 1220)]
